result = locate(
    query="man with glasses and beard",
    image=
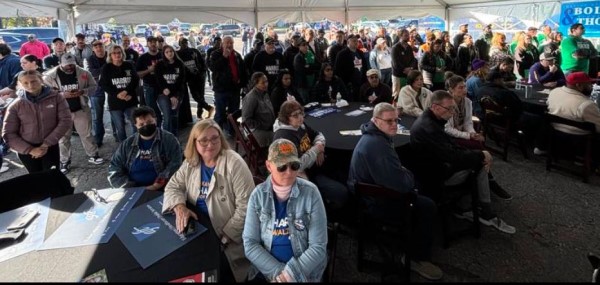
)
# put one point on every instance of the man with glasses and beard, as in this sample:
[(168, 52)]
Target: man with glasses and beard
[(75, 83), (147, 158)]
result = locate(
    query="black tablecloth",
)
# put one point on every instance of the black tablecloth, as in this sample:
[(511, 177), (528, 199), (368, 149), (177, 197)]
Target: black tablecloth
[(536, 101), (72, 264), (331, 125)]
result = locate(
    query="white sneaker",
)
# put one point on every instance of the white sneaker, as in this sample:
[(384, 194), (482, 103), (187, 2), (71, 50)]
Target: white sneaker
[(538, 151), (4, 167), (96, 160), (499, 224)]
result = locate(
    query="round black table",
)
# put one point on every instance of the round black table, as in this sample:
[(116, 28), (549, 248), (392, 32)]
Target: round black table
[(331, 125), (72, 264), (536, 101)]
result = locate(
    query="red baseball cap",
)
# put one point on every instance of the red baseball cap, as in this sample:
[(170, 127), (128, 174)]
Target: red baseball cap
[(579, 77)]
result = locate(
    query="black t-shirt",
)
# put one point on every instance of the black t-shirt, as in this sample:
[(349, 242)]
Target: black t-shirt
[(131, 55), (143, 63), (193, 60), (51, 61), (69, 82)]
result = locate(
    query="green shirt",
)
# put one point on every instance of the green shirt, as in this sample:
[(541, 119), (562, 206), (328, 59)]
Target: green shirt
[(570, 45)]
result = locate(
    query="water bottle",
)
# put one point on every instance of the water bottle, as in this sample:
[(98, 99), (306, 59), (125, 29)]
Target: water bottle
[(338, 97)]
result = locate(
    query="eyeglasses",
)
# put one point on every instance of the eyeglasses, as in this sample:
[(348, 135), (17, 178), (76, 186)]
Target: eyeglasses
[(389, 121), (373, 77), (297, 114), (98, 197), (452, 109), (205, 141), (294, 166)]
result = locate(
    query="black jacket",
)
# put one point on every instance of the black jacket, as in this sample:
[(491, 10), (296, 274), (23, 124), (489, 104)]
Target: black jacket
[(402, 57), (428, 139), (222, 78)]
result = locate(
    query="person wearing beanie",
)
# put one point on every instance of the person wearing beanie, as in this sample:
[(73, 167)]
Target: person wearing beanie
[(476, 78)]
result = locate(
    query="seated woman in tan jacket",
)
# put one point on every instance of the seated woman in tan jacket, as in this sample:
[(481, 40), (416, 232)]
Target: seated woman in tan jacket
[(218, 182)]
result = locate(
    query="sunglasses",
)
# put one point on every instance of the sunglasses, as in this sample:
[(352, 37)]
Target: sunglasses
[(294, 166)]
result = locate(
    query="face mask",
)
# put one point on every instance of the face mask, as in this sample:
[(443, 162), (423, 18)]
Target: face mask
[(147, 130)]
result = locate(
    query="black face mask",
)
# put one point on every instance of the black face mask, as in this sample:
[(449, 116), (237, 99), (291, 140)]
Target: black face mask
[(147, 130)]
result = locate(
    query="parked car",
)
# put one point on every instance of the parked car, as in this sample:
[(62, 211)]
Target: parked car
[(164, 30), (206, 28), (140, 30), (13, 40), (45, 35), (228, 30), (185, 28)]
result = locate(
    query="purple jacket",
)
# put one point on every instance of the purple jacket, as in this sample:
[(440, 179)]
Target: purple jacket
[(28, 124)]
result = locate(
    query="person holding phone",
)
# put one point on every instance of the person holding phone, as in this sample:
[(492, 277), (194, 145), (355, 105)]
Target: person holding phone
[(74, 84)]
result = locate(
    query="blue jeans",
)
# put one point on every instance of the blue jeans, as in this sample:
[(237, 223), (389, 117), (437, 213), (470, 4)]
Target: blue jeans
[(97, 106), (150, 96), (170, 116), (226, 102), (118, 117)]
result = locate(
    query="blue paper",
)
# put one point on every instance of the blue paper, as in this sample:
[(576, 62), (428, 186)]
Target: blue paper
[(34, 232), (149, 236), (96, 220)]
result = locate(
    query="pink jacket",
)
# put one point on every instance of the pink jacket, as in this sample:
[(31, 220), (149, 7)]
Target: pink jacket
[(28, 124), (37, 48)]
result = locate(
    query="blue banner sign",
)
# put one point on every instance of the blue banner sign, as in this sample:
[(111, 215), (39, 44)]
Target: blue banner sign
[(583, 12)]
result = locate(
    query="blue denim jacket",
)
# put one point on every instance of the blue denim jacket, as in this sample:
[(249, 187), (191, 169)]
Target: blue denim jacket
[(166, 157), (309, 243)]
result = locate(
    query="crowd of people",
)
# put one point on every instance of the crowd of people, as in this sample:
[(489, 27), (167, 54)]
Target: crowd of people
[(277, 230)]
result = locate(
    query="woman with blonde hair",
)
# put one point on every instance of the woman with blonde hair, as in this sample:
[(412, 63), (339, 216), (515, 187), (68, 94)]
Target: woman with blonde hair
[(119, 80), (498, 49), (526, 54), (218, 182)]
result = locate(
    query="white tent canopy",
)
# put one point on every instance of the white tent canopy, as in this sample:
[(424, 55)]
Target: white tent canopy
[(259, 12)]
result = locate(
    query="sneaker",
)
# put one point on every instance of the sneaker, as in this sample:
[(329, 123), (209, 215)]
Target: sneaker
[(426, 269), (499, 224), (468, 215), (538, 151), (96, 160), (65, 167), (4, 167), (499, 191)]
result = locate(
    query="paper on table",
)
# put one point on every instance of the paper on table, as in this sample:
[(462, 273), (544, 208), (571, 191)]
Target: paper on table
[(545, 91), (403, 132), (366, 108), (351, 133), (355, 113)]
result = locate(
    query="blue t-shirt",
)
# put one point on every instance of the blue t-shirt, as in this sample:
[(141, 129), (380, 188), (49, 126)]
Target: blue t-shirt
[(142, 170), (206, 174), (281, 247)]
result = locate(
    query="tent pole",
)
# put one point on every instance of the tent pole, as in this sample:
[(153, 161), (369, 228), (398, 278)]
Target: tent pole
[(256, 15), (71, 25), (346, 16)]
